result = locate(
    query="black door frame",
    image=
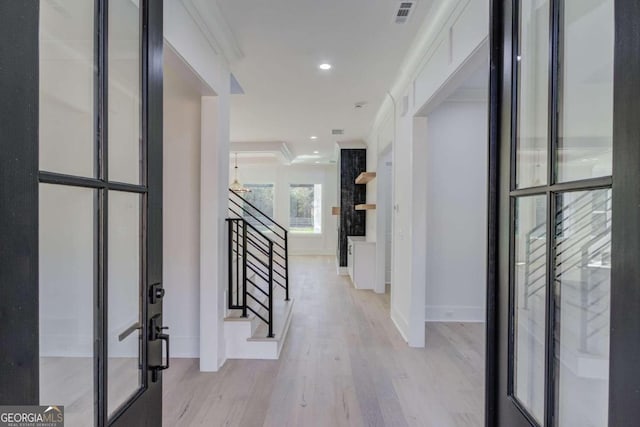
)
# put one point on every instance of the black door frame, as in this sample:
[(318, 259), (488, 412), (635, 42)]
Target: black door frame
[(19, 182), (624, 376)]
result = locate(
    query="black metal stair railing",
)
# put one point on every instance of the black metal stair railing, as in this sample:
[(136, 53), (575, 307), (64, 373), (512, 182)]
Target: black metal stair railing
[(582, 250), (258, 260)]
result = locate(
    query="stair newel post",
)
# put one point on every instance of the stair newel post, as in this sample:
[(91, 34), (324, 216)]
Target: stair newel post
[(236, 236), (270, 289), (286, 264), (230, 266), (244, 268)]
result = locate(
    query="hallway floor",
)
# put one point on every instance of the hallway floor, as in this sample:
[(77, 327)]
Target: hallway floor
[(343, 364)]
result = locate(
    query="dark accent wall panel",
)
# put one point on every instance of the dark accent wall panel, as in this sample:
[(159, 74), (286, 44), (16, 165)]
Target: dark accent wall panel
[(352, 222), (18, 202)]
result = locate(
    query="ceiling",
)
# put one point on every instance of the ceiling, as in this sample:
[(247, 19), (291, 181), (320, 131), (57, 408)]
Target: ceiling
[(287, 98)]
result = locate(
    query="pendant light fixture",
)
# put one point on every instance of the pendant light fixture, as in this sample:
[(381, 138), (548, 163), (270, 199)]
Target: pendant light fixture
[(236, 187)]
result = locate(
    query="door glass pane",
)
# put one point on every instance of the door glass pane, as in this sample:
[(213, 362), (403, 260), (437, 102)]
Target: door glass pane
[(533, 94), (124, 92), (124, 308), (583, 288), (67, 280), (67, 80), (530, 280), (586, 90)]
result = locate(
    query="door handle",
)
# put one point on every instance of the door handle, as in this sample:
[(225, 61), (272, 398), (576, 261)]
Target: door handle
[(155, 333)]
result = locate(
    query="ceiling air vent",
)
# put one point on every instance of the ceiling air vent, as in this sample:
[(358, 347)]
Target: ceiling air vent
[(337, 131), (404, 11)]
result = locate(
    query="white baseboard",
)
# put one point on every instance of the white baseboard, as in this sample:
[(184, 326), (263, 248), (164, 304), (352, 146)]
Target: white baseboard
[(401, 324), (454, 313), (312, 252)]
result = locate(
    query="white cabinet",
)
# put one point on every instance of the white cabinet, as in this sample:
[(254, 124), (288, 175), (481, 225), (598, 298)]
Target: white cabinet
[(361, 262)]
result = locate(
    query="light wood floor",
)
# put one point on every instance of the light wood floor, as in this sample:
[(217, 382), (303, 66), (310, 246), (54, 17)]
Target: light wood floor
[(343, 364)]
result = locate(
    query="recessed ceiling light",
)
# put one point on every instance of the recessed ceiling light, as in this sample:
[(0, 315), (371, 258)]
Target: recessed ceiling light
[(313, 137), (325, 66), (316, 152), (317, 163)]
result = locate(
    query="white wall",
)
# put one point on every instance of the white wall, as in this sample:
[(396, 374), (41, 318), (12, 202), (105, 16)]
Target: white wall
[(181, 213), (193, 43), (282, 176), (453, 35), (456, 194)]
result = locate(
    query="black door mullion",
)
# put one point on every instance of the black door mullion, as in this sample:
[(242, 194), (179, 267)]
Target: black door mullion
[(515, 84), (550, 293), (101, 359), (624, 375), (552, 157)]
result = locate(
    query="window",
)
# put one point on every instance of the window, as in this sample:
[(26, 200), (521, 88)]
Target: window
[(261, 197), (305, 208)]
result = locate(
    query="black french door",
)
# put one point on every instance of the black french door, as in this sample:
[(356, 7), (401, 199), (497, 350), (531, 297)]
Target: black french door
[(564, 232), (81, 209)]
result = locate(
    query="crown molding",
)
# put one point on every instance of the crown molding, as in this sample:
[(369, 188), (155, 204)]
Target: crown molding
[(278, 149), (442, 13), (213, 25)]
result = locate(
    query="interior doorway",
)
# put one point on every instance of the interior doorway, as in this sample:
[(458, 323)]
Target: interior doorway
[(384, 226), (456, 182)]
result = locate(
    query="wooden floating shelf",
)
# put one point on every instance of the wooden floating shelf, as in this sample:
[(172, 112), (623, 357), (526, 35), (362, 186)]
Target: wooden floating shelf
[(365, 177), (365, 207), (335, 210)]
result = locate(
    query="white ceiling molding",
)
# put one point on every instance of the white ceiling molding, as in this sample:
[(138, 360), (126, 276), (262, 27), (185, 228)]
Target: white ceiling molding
[(421, 49), (278, 149), (208, 16), (356, 143), (468, 83)]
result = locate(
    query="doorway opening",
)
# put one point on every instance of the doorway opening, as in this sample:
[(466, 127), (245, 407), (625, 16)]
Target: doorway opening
[(384, 226)]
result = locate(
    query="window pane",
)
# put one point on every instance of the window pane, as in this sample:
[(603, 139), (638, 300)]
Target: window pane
[(67, 80), (586, 90), (261, 197), (305, 208), (124, 297), (124, 92), (583, 287), (530, 281), (533, 94), (66, 271)]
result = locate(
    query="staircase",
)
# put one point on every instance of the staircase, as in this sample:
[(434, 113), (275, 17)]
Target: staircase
[(259, 308)]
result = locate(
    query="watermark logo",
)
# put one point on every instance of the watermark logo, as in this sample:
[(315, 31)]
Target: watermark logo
[(31, 416)]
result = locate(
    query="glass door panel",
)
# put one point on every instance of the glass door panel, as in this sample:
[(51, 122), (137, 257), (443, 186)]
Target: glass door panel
[(67, 87), (92, 248), (125, 299), (585, 124), (530, 283), (67, 300), (125, 143), (558, 349), (532, 67), (583, 294)]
